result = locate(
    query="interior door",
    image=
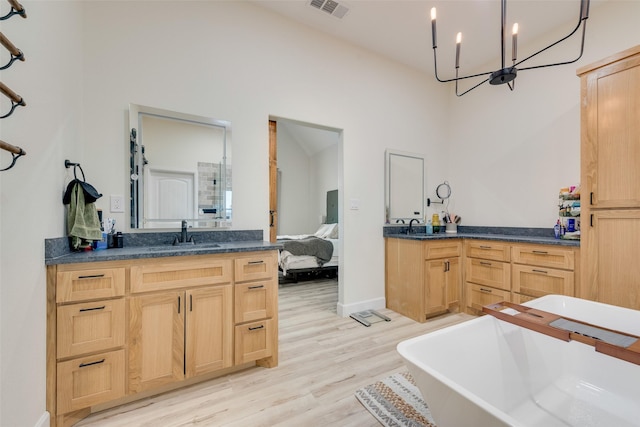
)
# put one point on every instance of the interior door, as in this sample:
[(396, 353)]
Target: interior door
[(273, 181)]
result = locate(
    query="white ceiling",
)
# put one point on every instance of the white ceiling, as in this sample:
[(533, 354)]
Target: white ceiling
[(401, 29)]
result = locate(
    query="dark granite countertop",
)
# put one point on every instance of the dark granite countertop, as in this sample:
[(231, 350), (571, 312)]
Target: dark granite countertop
[(507, 234), (157, 245)]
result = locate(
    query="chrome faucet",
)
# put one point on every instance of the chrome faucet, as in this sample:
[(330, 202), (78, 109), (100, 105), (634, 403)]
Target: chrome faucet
[(183, 236)]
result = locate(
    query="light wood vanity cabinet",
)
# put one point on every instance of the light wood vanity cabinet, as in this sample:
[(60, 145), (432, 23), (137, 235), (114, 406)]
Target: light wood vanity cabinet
[(423, 278), (121, 328), (610, 194)]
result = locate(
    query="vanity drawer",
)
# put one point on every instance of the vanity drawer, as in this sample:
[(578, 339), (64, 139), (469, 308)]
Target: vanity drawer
[(258, 266), (163, 275), (539, 281), (544, 256), (83, 285), (255, 300), (89, 327), (254, 341), (479, 296), (487, 250), (490, 273), (88, 381)]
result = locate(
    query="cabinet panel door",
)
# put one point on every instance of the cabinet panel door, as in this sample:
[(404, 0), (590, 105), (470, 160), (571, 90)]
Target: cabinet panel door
[(209, 325), (255, 300), (435, 286), (479, 296), (166, 275), (90, 326), (541, 281), (84, 285), (612, 268), (491, 273), (454, 282), (90, 380), (490, 250), (254, 341), (156, 341), (262, 265), (611, 151)]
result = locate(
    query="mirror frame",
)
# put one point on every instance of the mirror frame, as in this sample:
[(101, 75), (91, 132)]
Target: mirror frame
[(388, 185), (136, 151)]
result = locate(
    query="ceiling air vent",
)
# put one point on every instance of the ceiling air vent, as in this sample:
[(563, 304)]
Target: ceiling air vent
[(331, 7)]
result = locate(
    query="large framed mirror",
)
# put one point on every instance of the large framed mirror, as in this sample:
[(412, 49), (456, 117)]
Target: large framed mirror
[(180, 168), (404, 186)]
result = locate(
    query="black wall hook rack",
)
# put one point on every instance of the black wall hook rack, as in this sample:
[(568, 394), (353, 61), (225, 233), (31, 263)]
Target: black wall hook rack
[(16, 152), (16, 9), (13, 50), (16, 100)]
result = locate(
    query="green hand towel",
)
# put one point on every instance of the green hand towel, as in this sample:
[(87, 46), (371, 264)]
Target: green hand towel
[(83, 224)]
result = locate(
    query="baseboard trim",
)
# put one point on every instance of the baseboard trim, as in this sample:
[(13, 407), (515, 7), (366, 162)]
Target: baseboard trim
[(44, 420), (344, 310)]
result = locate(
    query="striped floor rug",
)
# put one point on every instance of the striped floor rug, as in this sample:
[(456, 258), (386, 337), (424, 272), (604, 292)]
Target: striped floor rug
[(396, 401)]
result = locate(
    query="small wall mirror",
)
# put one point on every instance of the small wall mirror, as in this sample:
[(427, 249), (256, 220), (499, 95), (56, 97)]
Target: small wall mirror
[(180, 168), (404, 186)]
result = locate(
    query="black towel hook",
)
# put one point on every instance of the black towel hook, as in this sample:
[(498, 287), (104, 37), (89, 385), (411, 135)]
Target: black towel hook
[(68, 164)]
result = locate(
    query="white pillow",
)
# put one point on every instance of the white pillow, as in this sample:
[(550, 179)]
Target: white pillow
[(334, 232), (325, 230)]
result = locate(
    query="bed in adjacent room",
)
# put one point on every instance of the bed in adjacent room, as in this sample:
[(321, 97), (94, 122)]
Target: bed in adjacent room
[(312, 255)]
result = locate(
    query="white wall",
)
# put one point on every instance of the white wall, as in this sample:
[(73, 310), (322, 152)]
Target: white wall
[(294, 187), (49, 129), (511, 152), (324, 177), (86, 61)]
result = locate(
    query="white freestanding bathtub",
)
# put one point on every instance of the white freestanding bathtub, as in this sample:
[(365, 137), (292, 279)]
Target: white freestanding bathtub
[(487, 372)]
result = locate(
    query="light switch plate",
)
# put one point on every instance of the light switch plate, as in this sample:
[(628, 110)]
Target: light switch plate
[(117, 203)]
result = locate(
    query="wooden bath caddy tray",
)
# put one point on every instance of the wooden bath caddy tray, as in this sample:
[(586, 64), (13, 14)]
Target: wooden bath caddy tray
[(607, 341)]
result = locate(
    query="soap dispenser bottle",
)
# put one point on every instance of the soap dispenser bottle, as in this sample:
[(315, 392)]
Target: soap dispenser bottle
[(429, 227)]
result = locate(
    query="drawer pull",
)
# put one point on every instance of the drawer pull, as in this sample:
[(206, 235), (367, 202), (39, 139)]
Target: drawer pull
[(84, 365), (255, 328), (256, 287), (93, 276), (540, 271), (93, 308), (541, 252), (485, 263), (484, 247), (256, 262), (485, 290)]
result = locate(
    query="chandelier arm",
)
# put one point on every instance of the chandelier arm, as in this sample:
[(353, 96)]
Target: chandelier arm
[(561, 63), (580, 22), (468, 90), (435, 66)]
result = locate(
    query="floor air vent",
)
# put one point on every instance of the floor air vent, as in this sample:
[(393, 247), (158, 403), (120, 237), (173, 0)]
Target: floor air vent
[(333, 8)]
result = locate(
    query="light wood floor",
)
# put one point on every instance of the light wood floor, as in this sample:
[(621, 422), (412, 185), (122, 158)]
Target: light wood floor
[(324, 359)]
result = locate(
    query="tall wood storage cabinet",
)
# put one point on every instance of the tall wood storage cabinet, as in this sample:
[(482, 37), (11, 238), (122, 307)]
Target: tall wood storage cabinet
[(610, 177)]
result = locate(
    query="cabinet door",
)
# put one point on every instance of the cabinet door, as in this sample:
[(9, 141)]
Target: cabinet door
[(541, 281), (611, 269), (611, 136), (454, 282), (156, 342), (90, 327), (89, 380), (209, 329), (435, 286)]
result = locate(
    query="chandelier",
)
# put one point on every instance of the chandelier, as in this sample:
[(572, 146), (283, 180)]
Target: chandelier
[(506, 74)]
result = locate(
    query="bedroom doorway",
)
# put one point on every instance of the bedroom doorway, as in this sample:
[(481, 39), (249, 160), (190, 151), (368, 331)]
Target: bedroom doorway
[(305, 180)]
